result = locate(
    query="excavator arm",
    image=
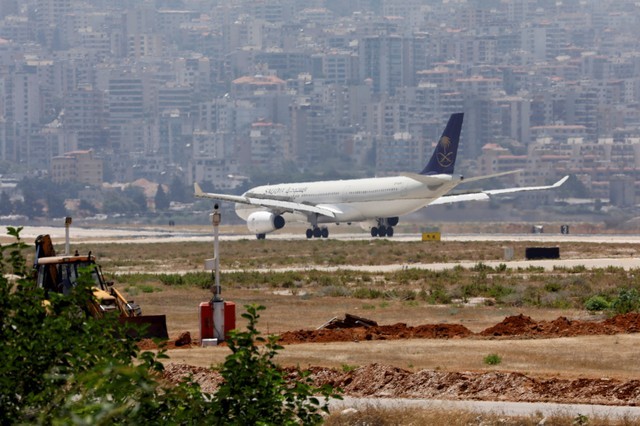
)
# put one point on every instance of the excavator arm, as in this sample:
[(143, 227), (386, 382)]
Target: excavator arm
[(59, 274)]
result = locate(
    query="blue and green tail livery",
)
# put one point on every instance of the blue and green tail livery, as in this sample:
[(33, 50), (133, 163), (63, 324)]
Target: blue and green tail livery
[(444, 157)]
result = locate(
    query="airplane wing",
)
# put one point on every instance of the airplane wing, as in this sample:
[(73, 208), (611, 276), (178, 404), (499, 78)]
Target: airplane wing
[(485, 195), (473, 179), (282, 206), (437, 180)]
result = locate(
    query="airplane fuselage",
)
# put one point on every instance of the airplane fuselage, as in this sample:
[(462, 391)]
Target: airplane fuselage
[(354, 200), (376, 203)]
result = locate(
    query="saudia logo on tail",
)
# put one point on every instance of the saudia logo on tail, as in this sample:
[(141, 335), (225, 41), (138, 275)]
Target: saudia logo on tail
[(444, 155)]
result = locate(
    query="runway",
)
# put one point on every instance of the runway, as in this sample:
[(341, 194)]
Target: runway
[(151, 234), (506, 408), (148, 235)]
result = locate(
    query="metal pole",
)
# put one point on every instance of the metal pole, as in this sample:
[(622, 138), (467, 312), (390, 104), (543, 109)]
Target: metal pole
[(215, 218), (217, 301), (67, 224)]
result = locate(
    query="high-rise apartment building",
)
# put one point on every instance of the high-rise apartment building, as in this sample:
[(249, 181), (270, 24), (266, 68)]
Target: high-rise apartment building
[(125, 105), (381, 61), (50, 16), (84, 115)]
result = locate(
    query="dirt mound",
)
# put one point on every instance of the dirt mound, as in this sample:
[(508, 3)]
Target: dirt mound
[(182, 341), (208, 379), (376, 380), (524, 326), (384, 381), (381, 332), (628, 322), (518, 326), (510, 326)]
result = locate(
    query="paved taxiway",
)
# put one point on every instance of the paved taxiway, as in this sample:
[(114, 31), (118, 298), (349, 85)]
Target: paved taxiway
[(150, 234), (507, 408), (159, 235)]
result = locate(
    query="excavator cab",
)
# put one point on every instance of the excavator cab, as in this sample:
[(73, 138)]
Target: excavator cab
[(59, 274)]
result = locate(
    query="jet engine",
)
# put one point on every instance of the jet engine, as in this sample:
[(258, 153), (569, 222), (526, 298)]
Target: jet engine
[(264, 222)]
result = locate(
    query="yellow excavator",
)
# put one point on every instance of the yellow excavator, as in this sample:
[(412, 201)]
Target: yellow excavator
[(58, 274)]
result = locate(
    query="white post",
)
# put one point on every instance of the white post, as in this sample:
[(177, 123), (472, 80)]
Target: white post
[(217, 301), (67, 224)]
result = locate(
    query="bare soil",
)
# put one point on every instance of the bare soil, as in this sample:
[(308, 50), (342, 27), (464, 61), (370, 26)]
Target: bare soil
[(386, 381), (295, 317)]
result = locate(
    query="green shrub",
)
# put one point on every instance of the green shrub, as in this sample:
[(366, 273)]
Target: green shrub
[(254, 390), (481, 267), (498, 291), (59, 363), (596, 303), (334, 291), (62, 366), (501, 268), (437, 294), (146, 288), (553, 287), (492, 359), (628, 300), (367, 293)]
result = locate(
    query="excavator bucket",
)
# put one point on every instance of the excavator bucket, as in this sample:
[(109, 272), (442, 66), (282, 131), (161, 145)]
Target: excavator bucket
[(146, 326)]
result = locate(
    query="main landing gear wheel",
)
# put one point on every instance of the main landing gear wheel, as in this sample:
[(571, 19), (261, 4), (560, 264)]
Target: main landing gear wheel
[(318, 232), (261, 236), (382, 231)]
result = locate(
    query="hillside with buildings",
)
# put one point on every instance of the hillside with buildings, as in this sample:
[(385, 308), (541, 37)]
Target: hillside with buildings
[(225, 93)]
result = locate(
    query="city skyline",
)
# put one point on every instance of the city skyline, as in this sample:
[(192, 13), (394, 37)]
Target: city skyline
[(213, 92)]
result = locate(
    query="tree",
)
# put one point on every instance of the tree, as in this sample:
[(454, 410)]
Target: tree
[(55, 205), (42, 192), (178, 191), (62, 366), (31, 207), (136, 195), (86, 206), (59, 363), (254, 388), (116, 202), (6, 206), (161, 199), (597, 205), (130, 200)]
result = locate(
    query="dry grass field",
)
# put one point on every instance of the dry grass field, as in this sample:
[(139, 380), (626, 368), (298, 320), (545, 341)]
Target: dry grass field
[(250, 254), (307, 305), (306, 301), (586, 356), (167, 278)]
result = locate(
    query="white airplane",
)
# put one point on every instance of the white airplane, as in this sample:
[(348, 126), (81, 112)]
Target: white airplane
[(374, 202)]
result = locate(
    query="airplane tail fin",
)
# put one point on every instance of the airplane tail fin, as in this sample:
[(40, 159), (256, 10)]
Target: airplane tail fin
[(444, 157)]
